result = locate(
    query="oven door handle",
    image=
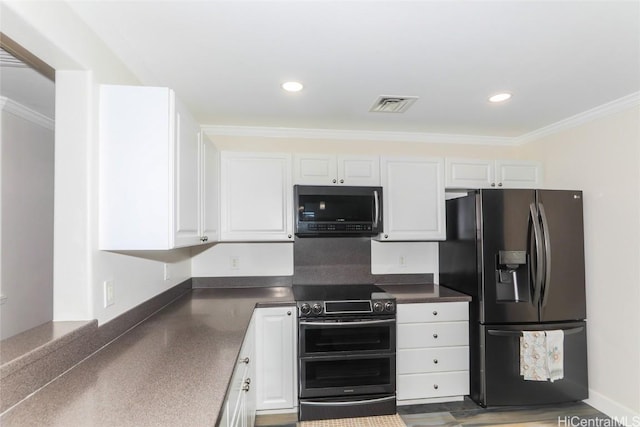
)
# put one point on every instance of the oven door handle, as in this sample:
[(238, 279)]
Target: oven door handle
[(350, 402), (357, 323)]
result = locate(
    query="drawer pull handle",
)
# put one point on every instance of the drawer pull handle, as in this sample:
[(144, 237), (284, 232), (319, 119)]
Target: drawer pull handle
[(435, 336), (435, 313), (246, 387), (435, 386), (245, 360), (435, 361)]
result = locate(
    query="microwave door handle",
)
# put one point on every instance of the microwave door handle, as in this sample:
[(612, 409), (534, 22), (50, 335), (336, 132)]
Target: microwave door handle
[(376, 204)]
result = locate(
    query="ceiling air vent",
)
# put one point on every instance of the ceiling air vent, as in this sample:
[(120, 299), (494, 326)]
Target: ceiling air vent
[(392, 104)]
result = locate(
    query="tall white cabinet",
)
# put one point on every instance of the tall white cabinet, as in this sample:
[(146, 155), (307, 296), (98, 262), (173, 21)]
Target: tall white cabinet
[(413, 198), (150, 170), (256, 197)]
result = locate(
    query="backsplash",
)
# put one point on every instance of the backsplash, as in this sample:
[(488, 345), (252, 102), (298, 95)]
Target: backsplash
[(316, 260), (332, 260)]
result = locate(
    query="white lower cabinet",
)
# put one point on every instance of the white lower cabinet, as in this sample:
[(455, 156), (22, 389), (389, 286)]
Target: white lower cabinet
[(239, 408), (432, 352), (276, 359)]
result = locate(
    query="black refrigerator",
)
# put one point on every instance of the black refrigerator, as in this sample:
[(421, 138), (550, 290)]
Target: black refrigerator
[(520, 255)]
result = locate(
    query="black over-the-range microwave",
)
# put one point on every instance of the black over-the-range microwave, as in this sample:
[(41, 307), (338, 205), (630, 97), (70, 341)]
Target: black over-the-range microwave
[(337, 210)]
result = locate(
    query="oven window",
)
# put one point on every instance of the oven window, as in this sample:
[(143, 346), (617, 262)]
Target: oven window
[(347, 338), (359, 372)]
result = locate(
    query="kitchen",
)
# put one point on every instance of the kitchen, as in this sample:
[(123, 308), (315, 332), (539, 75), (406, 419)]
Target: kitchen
[(607, 176)]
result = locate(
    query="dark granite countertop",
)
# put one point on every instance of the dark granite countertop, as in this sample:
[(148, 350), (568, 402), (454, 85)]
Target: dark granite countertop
[(175, 367), (423, 292), (172, 369)]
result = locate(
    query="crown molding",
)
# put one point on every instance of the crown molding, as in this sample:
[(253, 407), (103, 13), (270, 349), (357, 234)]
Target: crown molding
[(13, 107), (620, 104), (612, 107), (362, 135)]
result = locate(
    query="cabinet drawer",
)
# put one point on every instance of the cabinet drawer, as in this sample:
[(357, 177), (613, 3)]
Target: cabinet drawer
[(424, 386), (433, 312), (441, 334), (426, 360)]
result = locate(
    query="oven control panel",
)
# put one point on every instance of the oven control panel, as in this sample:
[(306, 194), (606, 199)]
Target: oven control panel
[(361, 307)]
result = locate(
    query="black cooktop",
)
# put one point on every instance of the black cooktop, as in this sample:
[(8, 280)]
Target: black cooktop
[(338, 292)]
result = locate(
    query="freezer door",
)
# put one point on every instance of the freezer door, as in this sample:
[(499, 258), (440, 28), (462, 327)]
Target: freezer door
[(505, 224), (501, 382), (563, 296)]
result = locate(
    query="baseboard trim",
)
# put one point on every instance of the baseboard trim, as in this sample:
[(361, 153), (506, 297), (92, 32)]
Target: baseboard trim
[(621, 414)]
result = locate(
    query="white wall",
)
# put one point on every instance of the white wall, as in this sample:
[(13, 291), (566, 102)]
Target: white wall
[(26, 253), (602, 158), (52, 32)]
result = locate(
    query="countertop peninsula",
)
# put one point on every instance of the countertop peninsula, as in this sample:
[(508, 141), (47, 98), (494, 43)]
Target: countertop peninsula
[(172, 369)]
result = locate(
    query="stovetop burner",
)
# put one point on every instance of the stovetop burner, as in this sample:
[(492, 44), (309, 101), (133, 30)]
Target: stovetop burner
[(331, 300)]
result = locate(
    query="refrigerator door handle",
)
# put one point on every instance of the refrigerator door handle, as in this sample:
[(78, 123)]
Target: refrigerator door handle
[(547, 255), (537, 258), (501, 333)]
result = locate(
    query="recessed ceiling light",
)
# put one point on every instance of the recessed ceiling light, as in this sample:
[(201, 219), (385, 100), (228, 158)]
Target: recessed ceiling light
[(500, 97), (292, 86)]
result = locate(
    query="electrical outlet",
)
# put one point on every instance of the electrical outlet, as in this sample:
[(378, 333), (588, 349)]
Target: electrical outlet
[(235, 262), (165, 269), (109, 293)]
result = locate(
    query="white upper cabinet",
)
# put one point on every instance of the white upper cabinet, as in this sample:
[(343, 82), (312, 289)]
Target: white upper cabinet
[(518, 174), (474, 173), (328, 169), (413, 198), (256, 197), (209, 190), (149, 170)]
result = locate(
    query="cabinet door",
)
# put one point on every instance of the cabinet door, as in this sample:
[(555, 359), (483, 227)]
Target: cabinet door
[(186, 216), (256, 197), (315, 169), (276, 358), (359, 170), (209, 179), (469, 173), (518, 174), (136, 168), (249, 384), (413, 198)]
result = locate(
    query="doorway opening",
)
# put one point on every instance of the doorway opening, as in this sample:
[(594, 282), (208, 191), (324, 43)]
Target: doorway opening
[(27, 118)]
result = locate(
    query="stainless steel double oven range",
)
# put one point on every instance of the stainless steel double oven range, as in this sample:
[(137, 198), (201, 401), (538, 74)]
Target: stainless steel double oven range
[(347, 351)]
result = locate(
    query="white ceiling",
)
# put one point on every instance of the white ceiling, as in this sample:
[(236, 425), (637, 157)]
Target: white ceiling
[(227, 59)]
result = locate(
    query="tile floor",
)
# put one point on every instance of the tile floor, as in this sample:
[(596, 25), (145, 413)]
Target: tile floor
[(467, 413)]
